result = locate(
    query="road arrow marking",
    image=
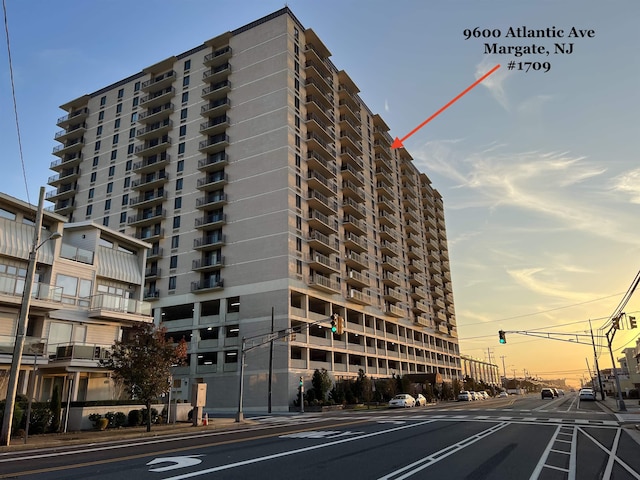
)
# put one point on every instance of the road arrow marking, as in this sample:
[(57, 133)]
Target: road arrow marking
[(178, 462)]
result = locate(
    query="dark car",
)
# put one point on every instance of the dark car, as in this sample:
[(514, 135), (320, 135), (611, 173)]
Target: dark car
[(546, 393)]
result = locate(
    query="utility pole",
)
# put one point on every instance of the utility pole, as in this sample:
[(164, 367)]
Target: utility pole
[(270, 363), (616, 322), (595, 359)]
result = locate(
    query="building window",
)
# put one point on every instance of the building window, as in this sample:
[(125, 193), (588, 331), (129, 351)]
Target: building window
[(107, 204), (136, 87), (119, 108), (183, 113), (116, 124), (114, 154), (127, 182), (232, 331), (91, 192), (101, 116), (130, 149), (298, 159), (103, 101), (299, 267), (116, 137), (93, 177), (298, 222), (231, 357), (121, 93), (132, 133), (185, 97), (97, 146), (298, 244), (180, 166), (125, 199), (172, 283), (183, 130), (298, 201), (89, 210), (181, 147), (105, 221), (185, 81), (134, 117), (176, 221), (179, 184), (177, 203), (233, 304), (175, 241), (112, 170), (136, 100), (95, 161), (128, 165), (123, 217), (109, 187), (99, 130), (187, 64), (173, 261), (298, 141)]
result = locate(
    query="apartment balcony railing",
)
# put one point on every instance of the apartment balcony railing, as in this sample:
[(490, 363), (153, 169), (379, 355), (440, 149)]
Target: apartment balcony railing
[(78, 351), (151, 147), (147, 218), (317, 162), (76, 254), (202, 264), (206, 285), (213, 162), (209, 241), (150, 181), (154, 162), (155, 129), (157, 113), (218, 56), (214, 144), (148, 200), (318, 182), (118, 304), (71, 160), (218, 92), (323, 283), (159, 81), (216, 74), (13, 286), (157, 98), (320, 241), (75, 116)]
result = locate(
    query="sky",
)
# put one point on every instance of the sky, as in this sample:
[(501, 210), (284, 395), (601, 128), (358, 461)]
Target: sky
[(538, 169)]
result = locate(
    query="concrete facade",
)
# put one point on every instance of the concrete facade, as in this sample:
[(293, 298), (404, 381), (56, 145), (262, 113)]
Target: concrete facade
[(271, 195)]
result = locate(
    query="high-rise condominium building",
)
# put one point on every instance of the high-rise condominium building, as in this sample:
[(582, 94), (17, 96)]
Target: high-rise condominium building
[(272, 200)]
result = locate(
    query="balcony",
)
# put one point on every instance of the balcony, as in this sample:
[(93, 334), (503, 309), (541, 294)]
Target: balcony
[(113, 307), (209, 242), (74, 131), (392, 279), (154, 129), (394, 310), (385, 205), (216, 74), (322, 263), (390, 263), (393, 294), (159, 81), (146, 218), (156, 114), (64, 207), (213, 162), (348, 141), (317, 162), (204, 286), (215, 126), (151, 163), (152, 273), (349, 157), (78, 351), (346, 108), (326, 284), (387, 219), (317, 143), (155, 253), (350, 174), (416, 266), (213, 181), (71, 146), (388, 233), (211, 201), (421, 306), (150, 295), (324, 243), (347, 124), (148, 199), (216, 94), (355, 242), (152, 147), (356, 260), (150, 181), (150, 235), (360, 297), (318, 109), (384, 191), (69, 161), (214, 144), (321, 222), (74, 117), (417, 279), (211, 220), (61, 193), (353, 191), (66, 176), (319, 94), (42, 294), (351, 207), (322, 184), (156, 99), (316, 200), (207, 264), (315, 124), (354, 225), (358, 279), (218, 57)]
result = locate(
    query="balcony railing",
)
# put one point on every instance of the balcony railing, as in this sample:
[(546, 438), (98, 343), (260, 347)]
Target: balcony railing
[(119, 304)]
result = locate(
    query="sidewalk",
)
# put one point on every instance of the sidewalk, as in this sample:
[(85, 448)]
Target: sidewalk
[(632, 414), (55, 440)]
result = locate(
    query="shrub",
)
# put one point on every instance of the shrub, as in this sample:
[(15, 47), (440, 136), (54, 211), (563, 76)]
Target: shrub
[(154, 415), (134, 418), (95, 418), (56, 410), (120, 419)]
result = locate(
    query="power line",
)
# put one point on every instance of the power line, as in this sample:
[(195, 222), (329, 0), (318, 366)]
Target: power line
[(15, 103)]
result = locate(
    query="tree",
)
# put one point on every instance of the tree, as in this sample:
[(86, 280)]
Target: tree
[(321, 382), (56, 409), (142, 361)]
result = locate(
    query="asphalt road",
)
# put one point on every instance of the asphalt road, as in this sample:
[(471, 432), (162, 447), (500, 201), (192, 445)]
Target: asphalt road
[(512, 438)]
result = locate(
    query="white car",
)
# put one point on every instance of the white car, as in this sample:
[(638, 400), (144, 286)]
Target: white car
[(587, 394), (464, 396), (503, 395), (404, 400), (421, 401)]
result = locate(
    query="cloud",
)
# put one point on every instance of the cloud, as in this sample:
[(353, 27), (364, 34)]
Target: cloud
[(530, 279), (628, 184), (386, 105), (494, 82)]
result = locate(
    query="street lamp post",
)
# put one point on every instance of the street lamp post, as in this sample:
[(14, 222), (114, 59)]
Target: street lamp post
[(5, 435)]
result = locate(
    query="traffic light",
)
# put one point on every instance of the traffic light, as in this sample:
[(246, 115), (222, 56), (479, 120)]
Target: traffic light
[(503, 337), (340, 326), (632, 322), (301, 381), (616, 323), (334, 325)]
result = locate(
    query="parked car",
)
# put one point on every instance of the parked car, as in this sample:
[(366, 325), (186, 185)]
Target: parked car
[(464, 396), (587, 394), (484, 395), (421, 401), (503, 395), (546, 393), (555, 392), (403, 400)]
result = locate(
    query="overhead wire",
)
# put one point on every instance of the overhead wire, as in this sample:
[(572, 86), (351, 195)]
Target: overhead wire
[(15, 103)]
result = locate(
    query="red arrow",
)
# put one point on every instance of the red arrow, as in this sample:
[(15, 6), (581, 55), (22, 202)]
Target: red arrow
[(397, 143)]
